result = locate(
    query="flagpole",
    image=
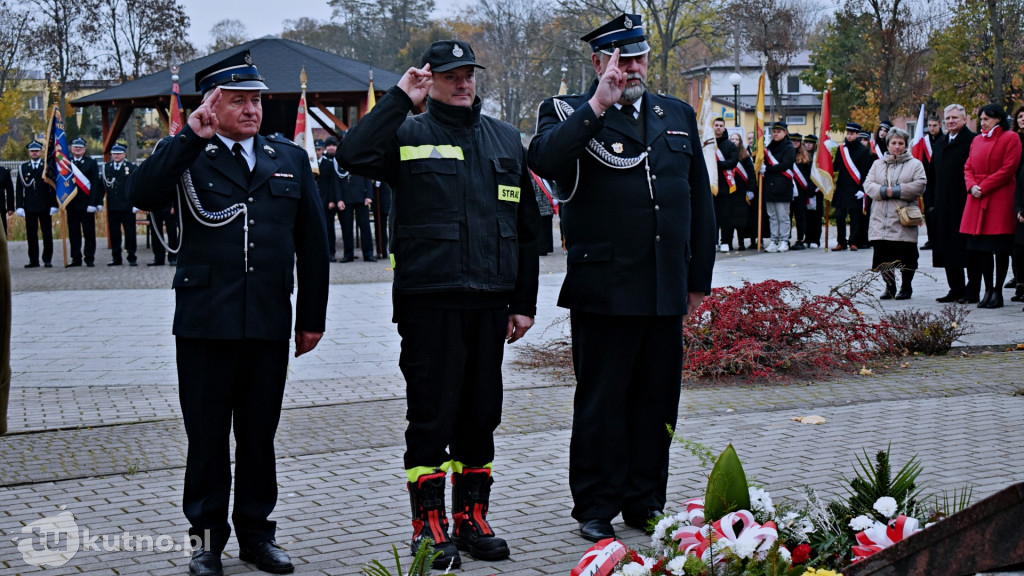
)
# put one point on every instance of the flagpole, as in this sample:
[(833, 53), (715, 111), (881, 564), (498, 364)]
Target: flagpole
[(64, 233)]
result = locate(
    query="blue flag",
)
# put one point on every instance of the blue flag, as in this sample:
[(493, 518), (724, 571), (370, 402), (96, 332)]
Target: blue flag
[(60, 172)]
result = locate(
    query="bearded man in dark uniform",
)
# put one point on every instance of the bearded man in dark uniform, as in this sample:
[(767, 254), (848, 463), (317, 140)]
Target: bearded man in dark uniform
[(252, 218), (640, 231)]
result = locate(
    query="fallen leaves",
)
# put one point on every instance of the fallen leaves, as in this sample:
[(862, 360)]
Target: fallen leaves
[(810, 419)]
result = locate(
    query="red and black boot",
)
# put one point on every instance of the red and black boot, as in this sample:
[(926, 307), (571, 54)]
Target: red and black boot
[(430, 520), (469, 512)]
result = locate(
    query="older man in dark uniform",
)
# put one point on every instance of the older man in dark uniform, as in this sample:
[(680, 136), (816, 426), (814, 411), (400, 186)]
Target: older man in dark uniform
[(640, 232), (36, 202), (253, 214), (82, 208), (120, 212)]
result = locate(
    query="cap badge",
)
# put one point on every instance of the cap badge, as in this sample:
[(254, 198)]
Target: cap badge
[(617, 147), (211, 149), (270, 151), (628, 23), (457, 51), (248, 59), (659, 111)]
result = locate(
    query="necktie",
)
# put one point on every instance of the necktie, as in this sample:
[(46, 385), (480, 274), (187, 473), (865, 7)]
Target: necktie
[(242, 163), (629, 111)]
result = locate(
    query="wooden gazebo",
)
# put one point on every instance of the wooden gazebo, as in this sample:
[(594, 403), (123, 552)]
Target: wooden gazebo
[(333, 81)]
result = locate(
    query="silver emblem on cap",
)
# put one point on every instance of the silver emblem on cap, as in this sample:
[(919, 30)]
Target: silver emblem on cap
[(628, 23), (457, 51)]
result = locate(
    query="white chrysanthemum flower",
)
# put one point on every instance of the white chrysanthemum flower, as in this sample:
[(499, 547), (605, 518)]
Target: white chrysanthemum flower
[(806, 526), (661, 528), (886, 506), (785, 554), (744, 548), (761, 500), (635, 569), (676, 565), (861, 522)]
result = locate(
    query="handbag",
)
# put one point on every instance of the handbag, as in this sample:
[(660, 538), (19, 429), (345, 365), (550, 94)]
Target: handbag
[(910, 215)]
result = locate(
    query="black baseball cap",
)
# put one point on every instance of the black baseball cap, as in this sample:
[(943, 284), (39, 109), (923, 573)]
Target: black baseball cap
[(446, 55)]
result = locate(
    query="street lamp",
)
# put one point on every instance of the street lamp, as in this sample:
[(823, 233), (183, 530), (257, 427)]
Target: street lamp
[(735, 79)]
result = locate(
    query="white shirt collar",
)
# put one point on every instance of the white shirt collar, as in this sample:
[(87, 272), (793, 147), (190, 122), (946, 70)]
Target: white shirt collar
[(989, 133), (247, 147)]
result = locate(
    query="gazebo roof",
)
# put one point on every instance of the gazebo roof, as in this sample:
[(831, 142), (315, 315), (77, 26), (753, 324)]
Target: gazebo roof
[(280, 62)]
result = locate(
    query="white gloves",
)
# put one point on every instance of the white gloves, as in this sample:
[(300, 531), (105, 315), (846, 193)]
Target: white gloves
[(750, 195), (135, 210), (763, 166), (99, 208), (20, 212), (90, 209), (796, 194), (860, 195), (53, 211)]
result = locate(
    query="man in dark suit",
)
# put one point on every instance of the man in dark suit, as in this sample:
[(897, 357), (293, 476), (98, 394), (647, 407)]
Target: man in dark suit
[(6, 195), (640, 231), (949, 249), (356, 197), (36, 202), (120, 212), (82, 208), (253, 215)]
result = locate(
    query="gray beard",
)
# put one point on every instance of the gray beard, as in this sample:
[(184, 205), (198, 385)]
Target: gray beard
[(631, 94)]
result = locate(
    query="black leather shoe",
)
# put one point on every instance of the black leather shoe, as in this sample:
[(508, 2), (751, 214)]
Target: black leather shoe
[(971, 299), (205, 563), (987, 299), (47, 265), (949, 297), (798, 246), (369, 259), (133, 263), (74, 264), (643, 521), (89, 264), (114, 263), (996, 301), (347, 259), (268, 557), (1012, 283), (903, 294), (31, 265), (154, 263), (596, 530)]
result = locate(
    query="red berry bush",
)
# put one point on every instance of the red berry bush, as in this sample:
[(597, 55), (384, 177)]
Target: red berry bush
[(766, 329)]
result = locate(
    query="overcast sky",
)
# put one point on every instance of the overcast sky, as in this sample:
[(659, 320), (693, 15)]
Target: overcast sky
[(263, 17)]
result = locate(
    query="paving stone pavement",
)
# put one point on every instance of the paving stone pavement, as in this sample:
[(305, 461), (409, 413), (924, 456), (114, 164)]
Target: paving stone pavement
[(96, 425)]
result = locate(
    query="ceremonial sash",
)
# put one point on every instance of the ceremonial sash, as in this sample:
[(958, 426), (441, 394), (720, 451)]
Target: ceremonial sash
[(799, 176), (876, 150), (851, 168), (729, 176), (773, 162), (742, 172)]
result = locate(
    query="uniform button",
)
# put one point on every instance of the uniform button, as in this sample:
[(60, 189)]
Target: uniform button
[(250, 199), (586, 255), (251, 222), (185, 280), (252, 269), (586, 122), (654, 177), (656, 207), (657, 238), (648, 148), (252, 244)]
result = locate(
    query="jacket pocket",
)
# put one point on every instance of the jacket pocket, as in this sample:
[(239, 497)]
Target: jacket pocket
[(197, 276), (427, 254), (436, 184), (508, 257)]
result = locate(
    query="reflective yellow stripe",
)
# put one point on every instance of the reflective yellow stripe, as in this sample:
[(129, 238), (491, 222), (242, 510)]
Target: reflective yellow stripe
[(430, 151), (458, 467), (413, 474)]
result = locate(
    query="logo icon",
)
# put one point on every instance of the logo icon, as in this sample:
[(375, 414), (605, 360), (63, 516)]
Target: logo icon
[(628, 23), (457, 51), (54, 540)]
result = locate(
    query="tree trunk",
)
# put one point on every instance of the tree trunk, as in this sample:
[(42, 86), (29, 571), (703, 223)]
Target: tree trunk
[(998, 40)]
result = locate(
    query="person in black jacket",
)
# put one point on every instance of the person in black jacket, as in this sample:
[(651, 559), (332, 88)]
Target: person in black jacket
[(949, 246), (381, 209), (779, 189), (640, 231), (329, 183), (120, 212), (81, 210), (728, 158), (36, 202), (6, 195), (252, 217), (812, 197), (466, 273), (356, 197), (852, 164)]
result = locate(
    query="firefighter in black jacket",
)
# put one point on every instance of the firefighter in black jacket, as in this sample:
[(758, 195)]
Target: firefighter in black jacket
[(82, 208), (251, 218), (36, 202), (466, 265)]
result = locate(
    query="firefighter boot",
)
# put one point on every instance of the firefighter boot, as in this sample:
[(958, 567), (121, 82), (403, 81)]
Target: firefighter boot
[(430, 520), (469, 512)]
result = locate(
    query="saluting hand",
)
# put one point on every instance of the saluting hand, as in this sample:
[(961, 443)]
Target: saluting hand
[(204, 120), (416, 83), (610, 86)]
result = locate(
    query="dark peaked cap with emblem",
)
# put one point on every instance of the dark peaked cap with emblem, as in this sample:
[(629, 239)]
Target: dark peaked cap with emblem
[(446, 55), (236, 72), (625, 32)]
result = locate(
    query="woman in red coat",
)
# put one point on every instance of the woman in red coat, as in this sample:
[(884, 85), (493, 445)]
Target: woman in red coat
[(989, 217)]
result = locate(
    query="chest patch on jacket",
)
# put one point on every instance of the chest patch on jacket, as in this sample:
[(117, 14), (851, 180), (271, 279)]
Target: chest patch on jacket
[(508, 193)]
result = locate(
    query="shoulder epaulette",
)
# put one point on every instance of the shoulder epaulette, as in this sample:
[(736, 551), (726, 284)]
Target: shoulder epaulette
[(278, 139)]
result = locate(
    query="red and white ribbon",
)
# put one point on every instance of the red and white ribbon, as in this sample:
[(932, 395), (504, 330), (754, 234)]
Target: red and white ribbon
[(601, 559), (881, 536)]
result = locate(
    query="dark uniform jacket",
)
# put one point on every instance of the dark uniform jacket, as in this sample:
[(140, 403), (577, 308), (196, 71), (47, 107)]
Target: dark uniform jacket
[(219, 293), (948, 246), (328, 181), (929, 169), (115, 186), (778, 186), (465, 218), (637, 244), (355, 190), (81, 201), (6, 190), (33, 193), (846, 185)]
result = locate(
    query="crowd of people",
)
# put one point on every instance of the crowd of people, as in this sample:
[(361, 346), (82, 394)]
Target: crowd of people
[(967, 192)]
